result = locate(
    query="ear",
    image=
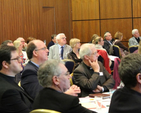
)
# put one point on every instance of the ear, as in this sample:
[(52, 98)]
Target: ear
[(86, 57), (5, 64), (35, 53), (138, 77), (55, 80)]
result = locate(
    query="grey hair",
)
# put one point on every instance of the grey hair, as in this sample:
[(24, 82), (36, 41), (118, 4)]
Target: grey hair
[(58, 37), (47, 70), (133, 31), (105, 35), (85, 49)]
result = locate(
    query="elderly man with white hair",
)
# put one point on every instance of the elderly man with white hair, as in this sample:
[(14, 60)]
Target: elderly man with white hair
[(61, 49), (135, 39), (90, 75), (108, 41)]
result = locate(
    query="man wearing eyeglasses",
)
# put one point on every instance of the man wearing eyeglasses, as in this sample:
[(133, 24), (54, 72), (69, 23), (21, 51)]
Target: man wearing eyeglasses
[(37, 53), (13, 99), (90, 75), (55, 82), (61, 49)]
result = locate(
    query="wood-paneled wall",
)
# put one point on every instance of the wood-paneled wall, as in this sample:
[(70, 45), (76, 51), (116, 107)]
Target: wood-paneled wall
[(37, 18), (98, 16)]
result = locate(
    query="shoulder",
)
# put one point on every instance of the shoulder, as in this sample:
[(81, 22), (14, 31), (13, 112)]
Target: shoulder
[(30, 66), (81, 68), (67, 46), (54, 46), (132, 38)]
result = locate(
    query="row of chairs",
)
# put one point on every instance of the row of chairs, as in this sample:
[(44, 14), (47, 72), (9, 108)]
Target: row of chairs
[(117, 52)]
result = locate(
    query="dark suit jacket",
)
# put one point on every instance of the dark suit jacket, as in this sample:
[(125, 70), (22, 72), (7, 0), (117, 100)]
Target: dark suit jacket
[(88, 80), (12, 98), (49, 98), (125, 100), (29, 80), (107, 45), (51, 43)]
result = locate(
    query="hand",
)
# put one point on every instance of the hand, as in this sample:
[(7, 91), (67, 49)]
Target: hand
[(25, 45), (73, 90), (98, 89), (95, 66)]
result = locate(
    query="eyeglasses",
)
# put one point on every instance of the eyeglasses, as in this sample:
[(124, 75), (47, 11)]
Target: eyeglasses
[(94, 53), (18, 58), (67, 73), (44, 48), (63, 38)]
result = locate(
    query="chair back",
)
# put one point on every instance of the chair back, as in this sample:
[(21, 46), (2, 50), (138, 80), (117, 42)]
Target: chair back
[(115, 72), (44, 111), (69, 64), (117, 51), (133, 48)]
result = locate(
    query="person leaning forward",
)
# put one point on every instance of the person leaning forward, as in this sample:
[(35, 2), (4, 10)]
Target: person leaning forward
[(90, 75)]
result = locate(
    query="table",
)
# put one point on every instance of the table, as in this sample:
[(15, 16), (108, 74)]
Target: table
[(91, 104)]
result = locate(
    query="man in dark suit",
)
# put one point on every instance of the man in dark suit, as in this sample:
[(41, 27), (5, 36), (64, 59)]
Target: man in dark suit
[(54, 77), (13, 99), (37, 52), (90, 75), (127, 99), (108, 41), (52, 42)]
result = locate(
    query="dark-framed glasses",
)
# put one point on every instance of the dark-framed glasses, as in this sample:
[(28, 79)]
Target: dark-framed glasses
[(17, 58), (44, 48)]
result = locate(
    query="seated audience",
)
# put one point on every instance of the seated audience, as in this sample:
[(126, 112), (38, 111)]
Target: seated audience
[(135, 39), (98, 41), (90, 75), (118, 38), (7, 42), (74, 54), (61, 49), (13, 99), (54, 77), (53, 41), (127, 99), (108, 41), (37, 53)]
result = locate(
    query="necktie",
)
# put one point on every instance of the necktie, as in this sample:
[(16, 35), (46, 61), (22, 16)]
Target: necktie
[(62, 50)]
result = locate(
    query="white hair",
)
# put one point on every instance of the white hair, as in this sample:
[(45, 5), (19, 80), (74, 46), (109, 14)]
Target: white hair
[(85, 49), (134, 30), (105, 35), (58, 37)]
